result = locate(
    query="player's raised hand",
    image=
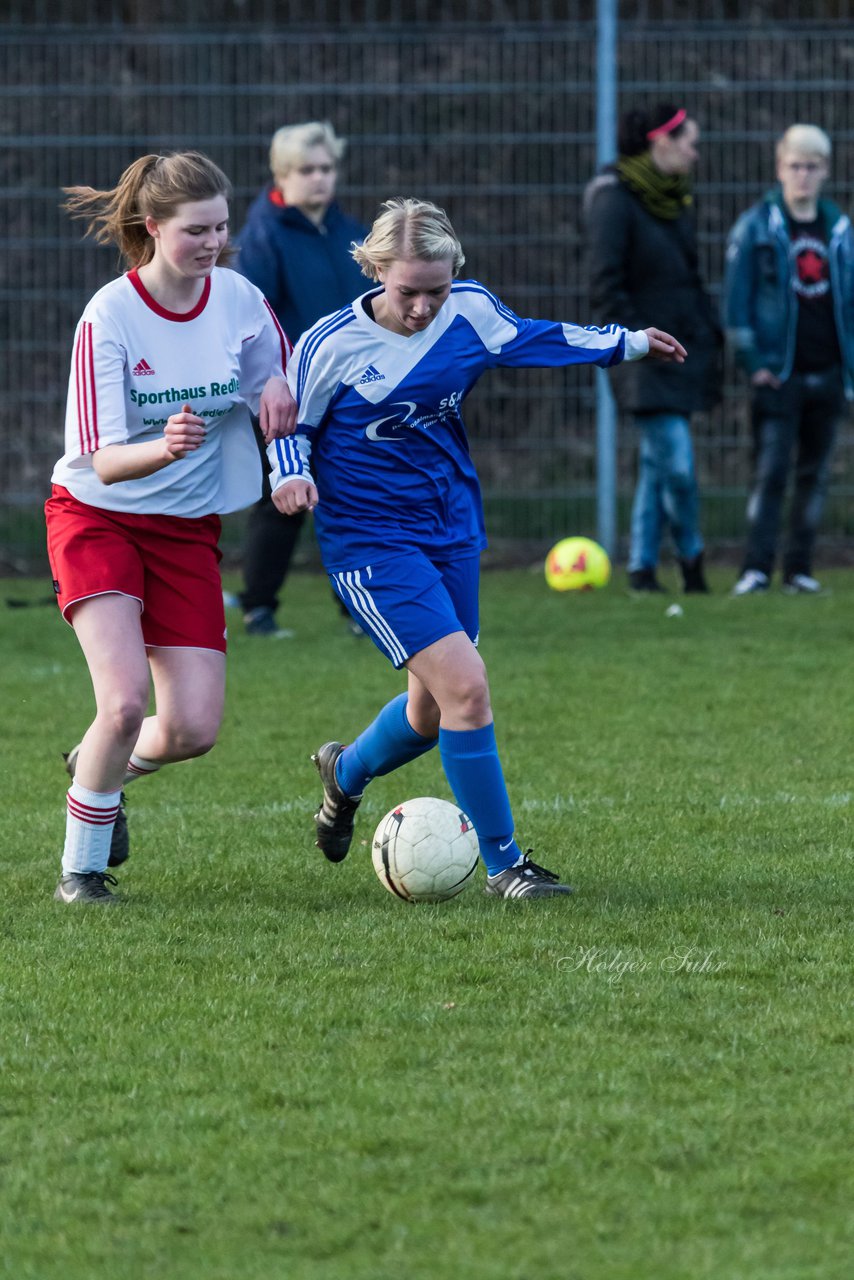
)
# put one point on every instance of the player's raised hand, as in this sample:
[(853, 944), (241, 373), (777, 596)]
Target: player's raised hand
[(295, 496), (278, 414), (184, 432), (663, 346)]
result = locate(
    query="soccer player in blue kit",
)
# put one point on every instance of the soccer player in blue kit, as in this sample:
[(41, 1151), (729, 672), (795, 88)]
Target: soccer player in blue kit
[(381, 456)]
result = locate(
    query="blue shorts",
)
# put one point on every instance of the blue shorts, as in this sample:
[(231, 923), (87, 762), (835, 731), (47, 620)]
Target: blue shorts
[(408, 602)]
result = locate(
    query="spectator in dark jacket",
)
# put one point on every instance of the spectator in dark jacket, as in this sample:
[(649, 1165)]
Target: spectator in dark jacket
[(789, 314), (643, 263), (295, 246)]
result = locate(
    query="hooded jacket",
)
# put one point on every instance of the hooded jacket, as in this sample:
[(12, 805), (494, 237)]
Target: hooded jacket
[(304, 271)]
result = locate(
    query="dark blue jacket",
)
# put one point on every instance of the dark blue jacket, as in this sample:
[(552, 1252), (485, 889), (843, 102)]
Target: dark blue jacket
[(760, 305), (304, 271)]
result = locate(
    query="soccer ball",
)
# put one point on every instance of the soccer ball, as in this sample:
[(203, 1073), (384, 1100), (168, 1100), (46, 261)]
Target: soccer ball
[(577, 564), (425, 850)]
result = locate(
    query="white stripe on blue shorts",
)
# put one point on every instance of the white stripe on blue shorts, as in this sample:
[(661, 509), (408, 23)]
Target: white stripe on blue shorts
[(363, 604)]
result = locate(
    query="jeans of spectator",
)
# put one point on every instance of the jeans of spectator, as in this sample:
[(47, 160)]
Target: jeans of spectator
[(795, 424), (666, 496)]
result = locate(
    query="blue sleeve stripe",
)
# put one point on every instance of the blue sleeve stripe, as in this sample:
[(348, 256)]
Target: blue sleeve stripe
[(290, 461), (472, 286), (280, 457), (309, 345), (316, 337)]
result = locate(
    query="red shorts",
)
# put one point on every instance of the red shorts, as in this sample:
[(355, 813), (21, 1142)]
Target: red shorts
[(169, 564)]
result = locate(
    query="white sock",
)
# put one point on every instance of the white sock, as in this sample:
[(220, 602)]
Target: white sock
[(139, 768), (88, 828)]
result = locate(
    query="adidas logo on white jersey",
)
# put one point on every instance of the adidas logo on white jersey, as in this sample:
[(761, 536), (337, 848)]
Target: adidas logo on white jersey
[(142, 368), (371, 375)]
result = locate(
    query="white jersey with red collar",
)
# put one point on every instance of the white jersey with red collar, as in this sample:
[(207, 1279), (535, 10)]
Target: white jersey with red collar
[(134, 364)]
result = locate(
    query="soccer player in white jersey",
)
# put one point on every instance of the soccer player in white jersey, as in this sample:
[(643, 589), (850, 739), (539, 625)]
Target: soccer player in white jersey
[(381, 453), (168, 362)]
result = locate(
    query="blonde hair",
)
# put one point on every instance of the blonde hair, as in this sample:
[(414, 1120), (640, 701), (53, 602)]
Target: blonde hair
[(407, 229), (152, 187), (806, 139), (290, 145)]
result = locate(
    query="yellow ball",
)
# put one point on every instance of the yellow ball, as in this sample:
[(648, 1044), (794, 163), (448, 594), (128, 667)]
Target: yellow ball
[(577, 564)]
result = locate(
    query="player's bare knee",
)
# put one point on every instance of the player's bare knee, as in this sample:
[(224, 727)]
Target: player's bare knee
[(204, 744), (470, 697), (124, 717), (188, 741)]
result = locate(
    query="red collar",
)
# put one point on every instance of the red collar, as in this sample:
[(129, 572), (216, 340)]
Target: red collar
[(180, 316)]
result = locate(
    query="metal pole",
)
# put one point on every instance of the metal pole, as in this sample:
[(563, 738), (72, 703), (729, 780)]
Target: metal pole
[(606, 150)]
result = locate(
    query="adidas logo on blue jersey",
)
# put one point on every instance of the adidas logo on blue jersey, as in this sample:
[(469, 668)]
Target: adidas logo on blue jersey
[(371, 375)]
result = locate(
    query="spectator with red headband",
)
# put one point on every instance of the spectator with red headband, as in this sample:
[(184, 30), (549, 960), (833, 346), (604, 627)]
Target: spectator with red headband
[(643, 263)]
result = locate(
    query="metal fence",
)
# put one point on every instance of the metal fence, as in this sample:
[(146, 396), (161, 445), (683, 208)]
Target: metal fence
[(276, 14), (492, 119)]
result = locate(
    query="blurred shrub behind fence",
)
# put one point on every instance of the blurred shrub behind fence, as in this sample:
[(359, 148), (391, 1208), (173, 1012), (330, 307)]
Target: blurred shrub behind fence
[(494, 119)]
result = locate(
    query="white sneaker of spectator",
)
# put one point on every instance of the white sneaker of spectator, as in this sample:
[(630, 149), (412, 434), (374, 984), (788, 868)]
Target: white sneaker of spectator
[(801, 584), (751, 581)]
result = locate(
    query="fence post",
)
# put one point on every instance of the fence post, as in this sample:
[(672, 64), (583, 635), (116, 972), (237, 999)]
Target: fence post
[(606, 150)]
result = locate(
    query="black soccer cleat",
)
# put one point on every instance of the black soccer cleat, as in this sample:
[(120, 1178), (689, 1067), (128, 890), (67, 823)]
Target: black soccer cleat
[(120, 842), (525, 880), (336, 816), (87, 886)]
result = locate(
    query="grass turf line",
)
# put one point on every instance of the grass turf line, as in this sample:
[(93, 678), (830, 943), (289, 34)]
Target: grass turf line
[(267, 1066)]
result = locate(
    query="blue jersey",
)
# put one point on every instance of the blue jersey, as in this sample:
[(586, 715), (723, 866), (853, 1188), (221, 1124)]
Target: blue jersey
[(380, 429)]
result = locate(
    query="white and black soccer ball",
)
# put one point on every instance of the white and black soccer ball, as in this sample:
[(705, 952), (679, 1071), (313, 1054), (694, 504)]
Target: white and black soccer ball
[(425, 850)]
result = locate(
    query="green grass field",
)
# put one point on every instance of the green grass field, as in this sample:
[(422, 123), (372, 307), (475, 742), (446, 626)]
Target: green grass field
[(266, 1066)]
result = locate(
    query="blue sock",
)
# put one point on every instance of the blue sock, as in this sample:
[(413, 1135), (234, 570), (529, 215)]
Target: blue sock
[(472, 767), (385, 745)]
